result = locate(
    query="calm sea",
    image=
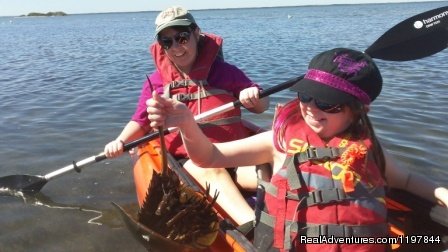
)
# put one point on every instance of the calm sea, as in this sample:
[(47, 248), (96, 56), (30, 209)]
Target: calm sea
[(69, 84)]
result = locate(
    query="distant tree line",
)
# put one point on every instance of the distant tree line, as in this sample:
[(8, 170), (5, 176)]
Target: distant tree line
[(48, 14)]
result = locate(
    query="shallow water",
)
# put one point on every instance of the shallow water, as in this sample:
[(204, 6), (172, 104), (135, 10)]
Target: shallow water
[(69, 84)]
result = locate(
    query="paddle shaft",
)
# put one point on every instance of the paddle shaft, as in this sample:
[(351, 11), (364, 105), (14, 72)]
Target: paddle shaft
[(221, 109)]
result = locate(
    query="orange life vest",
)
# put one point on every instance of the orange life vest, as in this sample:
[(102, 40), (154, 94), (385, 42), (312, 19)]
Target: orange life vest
[(199, 95), (324, 193)]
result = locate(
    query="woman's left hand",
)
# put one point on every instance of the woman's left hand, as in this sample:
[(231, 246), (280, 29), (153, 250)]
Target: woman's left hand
[(250, 97)]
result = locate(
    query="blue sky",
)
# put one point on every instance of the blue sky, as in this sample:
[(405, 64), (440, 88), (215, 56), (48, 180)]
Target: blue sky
[(20, 7)]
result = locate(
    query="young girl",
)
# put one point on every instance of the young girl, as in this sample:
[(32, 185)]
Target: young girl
[(329, 170)]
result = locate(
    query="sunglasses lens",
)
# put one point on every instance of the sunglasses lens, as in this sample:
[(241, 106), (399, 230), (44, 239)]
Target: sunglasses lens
[(182, 38), (328, 108), (304, 97), (166, 42), (325, 107)]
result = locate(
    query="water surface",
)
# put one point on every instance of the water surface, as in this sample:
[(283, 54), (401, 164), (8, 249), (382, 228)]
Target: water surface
[(69, 84)]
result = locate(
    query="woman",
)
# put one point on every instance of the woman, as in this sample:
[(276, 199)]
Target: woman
[(190, 68), (329, 169)]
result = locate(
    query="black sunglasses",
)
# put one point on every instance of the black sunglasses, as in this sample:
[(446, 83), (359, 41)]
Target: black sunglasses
[(181, 38), (325, 107)]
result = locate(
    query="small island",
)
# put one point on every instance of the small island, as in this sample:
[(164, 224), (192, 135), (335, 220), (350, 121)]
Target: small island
[(48, 14)]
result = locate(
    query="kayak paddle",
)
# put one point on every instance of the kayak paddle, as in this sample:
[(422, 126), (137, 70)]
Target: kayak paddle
[(419, 36), (34, 183), (414, 38)]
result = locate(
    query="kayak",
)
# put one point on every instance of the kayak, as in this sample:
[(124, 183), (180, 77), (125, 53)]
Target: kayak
[(147, 160), (416, 223)]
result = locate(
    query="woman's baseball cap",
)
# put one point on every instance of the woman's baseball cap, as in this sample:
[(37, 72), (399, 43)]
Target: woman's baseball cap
[(341, 75), (173, 16)]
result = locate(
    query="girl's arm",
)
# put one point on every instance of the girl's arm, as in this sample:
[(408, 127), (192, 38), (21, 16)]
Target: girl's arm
[(257, 149), (401, 178), (250, 151)]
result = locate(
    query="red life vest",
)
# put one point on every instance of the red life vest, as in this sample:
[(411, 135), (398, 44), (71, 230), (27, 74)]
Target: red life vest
[(325, 192), (199, 95)]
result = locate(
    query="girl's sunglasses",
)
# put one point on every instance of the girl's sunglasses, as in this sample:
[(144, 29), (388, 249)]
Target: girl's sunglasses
[(181, 38), (325, 107)]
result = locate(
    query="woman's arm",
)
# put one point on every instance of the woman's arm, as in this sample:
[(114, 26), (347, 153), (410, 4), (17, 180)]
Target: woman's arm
[(402, 178), (131, 131)]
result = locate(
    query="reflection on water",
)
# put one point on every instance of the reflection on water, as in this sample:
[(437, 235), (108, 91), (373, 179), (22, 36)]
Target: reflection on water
[(100, 216), (43, 224)]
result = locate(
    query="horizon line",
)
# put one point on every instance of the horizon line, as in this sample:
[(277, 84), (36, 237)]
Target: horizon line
[(229, 8)]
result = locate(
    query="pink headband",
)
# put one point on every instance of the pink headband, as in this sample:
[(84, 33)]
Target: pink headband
[(338, 83)]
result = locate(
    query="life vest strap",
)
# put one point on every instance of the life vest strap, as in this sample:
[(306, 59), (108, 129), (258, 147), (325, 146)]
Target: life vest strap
[(318, 153), (316, 230), (370, 230), (317, 197), (324, 196), (268, 187), (194, 96), (291, 173), (185, 83)]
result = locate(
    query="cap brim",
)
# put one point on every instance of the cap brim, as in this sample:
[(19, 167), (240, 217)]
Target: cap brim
[(322, 92), (176, 22)]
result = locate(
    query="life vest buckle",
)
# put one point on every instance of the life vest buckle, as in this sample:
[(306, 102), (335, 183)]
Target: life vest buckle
[(179, 84), (182, 97), (317, 197), (311, 153), (326, 196), (335, 230), (323, 230), (323, 154)]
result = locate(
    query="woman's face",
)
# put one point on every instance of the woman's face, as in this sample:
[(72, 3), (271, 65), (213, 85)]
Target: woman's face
[(184, 49), (326, 125)]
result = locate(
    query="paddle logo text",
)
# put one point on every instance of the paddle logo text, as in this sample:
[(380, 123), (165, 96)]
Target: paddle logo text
[(435, 20)]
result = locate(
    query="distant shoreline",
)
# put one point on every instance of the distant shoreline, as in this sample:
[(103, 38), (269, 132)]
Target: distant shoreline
[(208, 9), (48, 14)]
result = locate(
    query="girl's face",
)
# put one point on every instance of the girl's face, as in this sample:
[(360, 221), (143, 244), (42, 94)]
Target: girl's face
[(183, 49), (326, 125)]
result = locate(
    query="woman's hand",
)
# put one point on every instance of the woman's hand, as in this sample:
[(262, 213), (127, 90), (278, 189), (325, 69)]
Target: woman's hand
[(166, 112), (250, 97), (114, 148)]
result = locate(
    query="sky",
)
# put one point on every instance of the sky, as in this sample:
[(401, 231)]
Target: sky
[(23, 7)]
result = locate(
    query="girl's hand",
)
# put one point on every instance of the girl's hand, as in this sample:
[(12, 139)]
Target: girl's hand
[(166, 112), (250, 97), (441, 194)]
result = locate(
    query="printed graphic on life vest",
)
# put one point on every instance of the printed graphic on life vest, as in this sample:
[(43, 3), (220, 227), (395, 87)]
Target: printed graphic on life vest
[(430, 22)]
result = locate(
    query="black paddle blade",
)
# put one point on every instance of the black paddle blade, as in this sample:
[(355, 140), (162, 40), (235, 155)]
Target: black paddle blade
[(419, 36), (24, 183)]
